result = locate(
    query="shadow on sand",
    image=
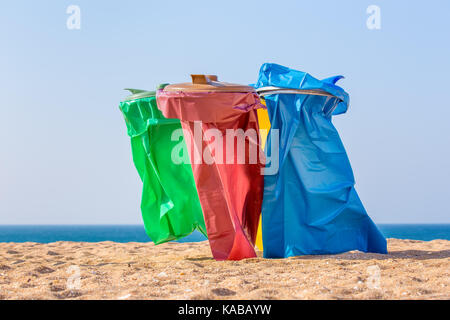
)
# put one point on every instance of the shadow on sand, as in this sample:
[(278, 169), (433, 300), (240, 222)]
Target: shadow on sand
[(402, 254)]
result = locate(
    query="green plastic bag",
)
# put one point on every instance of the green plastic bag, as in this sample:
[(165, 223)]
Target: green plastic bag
[(170, 205)]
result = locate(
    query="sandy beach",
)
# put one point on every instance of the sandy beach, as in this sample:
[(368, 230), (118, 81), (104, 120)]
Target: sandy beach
[(108, 270)]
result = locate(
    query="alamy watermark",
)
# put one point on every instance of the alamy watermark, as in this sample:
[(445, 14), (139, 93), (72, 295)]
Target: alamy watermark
[(374, 279), (373, 21), (74, 280), (231, 146), (73, 21)]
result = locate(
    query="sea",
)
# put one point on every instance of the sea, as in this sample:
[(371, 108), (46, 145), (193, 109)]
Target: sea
[(136, 233)]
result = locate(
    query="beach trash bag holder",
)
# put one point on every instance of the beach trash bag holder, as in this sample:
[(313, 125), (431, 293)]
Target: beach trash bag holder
[(228, 177), (310, 206), (170, 205)]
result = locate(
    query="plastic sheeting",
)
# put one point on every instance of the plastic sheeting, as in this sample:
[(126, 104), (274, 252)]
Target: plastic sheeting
[(310, 206), (170, 205), (230, 193), (264, 127)]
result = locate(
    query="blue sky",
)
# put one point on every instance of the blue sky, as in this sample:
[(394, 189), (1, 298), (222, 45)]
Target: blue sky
[(64, 153)]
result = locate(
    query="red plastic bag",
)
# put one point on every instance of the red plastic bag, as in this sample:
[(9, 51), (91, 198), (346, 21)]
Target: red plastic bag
[(229, 182)]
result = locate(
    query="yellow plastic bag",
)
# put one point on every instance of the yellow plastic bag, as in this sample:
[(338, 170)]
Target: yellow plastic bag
[(264, 127)]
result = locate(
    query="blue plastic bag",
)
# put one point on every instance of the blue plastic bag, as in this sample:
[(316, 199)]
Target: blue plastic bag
[(311, 206)]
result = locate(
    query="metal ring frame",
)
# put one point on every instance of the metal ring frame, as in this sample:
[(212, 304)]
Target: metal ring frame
[(264, 91)]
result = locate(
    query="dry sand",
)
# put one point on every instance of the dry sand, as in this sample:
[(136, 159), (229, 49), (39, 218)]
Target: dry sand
[(108, 270)]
